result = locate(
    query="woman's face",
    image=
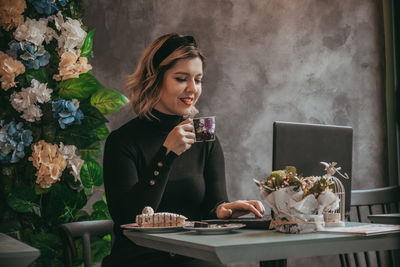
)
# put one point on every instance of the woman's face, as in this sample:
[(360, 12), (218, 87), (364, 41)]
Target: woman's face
[(181, 87)]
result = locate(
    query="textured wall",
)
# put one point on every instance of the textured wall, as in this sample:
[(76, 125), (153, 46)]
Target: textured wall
[(313, 61)]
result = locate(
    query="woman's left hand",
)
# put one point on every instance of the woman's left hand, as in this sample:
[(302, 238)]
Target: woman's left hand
[(240, 207)]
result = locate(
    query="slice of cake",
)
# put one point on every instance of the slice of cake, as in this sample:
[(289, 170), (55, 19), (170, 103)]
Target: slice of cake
[(160, 219)]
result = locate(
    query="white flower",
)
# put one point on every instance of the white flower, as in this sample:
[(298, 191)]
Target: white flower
[(72, 35), (41, 92), (73, 160), (26, 100), (32, 113), (21, 100), (34, 31)]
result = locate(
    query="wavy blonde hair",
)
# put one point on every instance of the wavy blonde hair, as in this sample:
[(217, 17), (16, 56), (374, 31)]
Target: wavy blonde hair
[(144, 85)]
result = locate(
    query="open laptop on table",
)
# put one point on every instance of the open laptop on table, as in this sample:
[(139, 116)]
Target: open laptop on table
[(305, 145)]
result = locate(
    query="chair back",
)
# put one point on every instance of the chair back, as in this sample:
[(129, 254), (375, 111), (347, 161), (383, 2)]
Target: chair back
[(84, 229), (374, 201), (305, 145)]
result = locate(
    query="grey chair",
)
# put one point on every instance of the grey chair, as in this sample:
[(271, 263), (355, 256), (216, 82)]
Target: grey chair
[(85, 229), (374, 201)]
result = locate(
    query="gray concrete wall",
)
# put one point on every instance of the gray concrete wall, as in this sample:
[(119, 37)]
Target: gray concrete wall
[(313, 61)]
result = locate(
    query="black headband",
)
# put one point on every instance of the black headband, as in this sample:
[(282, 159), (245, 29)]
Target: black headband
[(170, 46)]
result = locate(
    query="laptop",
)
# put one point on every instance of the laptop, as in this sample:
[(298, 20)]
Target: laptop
[(305, 145)]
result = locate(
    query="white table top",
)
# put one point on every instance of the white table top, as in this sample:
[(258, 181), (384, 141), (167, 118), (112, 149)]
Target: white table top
[(262, 245), (16, 253)]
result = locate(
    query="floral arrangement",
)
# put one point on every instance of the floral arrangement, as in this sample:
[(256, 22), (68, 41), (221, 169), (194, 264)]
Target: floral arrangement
[(299, 202), (52, 124)]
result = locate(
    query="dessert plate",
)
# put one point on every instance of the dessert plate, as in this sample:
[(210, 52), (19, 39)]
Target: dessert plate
[(216, 229), (166, 229)]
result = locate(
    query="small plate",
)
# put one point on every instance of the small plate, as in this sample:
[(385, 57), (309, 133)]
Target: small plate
[(166, 229), (216, 229)]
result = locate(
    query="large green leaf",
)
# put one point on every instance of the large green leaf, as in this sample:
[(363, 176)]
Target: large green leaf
[(102, 132), (22, 199), (77, 135), (50, 247), (79, 88), (91, 173), (100, 211), (93, 151), (63, 203), (108, 100), (40, 74), (100, 247), (87, 46), (93, 117)]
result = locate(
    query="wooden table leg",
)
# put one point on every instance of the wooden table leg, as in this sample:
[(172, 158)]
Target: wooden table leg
[(275, 263)]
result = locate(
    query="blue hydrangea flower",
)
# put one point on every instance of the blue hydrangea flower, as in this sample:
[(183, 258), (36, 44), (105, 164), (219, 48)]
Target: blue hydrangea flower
[(13, 140), (67, 112), (47, 7), (31, 55)]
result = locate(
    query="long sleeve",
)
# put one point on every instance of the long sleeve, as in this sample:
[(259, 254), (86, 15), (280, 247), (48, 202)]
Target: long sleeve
[(126, 192), (214, 175)]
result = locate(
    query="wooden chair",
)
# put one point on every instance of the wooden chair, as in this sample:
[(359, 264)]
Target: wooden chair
[(84, 229), (374, 201)]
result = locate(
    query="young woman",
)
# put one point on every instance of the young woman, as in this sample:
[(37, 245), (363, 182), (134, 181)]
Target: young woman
[(153, 160)]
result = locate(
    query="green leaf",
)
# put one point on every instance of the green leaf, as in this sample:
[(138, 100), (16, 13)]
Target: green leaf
[(49, 244), (93, 151), (79, 88), (77, 135), (93, 117), (102, 132), (87, 46), (108, 100), (63, 203), (40, 74), (91, 173), (100, 248), (100, 211), (22, 199)]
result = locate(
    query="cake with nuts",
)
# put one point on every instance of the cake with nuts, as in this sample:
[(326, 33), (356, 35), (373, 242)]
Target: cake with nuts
[(159, 219)]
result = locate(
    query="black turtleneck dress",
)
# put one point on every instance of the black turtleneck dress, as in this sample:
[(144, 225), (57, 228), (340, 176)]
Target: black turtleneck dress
[(137, 173)]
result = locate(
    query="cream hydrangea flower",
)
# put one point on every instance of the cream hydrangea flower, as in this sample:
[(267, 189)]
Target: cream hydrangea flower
[(71, 65), (72, 35), (73, 160), (32, 113), (49, 162), (35, 31), (9, 69), (11, 13), (26, 100)]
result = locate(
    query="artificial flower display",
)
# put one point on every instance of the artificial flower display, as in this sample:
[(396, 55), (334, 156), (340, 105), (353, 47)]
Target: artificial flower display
[(72, 35), (47, 7), (74, 162), (34, 31), (49, 162), (26, 100), (71, 65), (13, 140), (11, 13), (31, 55), (67, 112), (9, 69), (48, 148)]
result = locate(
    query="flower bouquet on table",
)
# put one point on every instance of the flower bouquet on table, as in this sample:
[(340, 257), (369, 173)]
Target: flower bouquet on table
[(300, 203)]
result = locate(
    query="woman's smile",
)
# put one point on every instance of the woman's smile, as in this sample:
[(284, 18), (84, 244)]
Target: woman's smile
[(188, 101)]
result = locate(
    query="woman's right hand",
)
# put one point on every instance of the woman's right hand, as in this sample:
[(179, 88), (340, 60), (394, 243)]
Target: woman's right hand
[(181, 137)]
